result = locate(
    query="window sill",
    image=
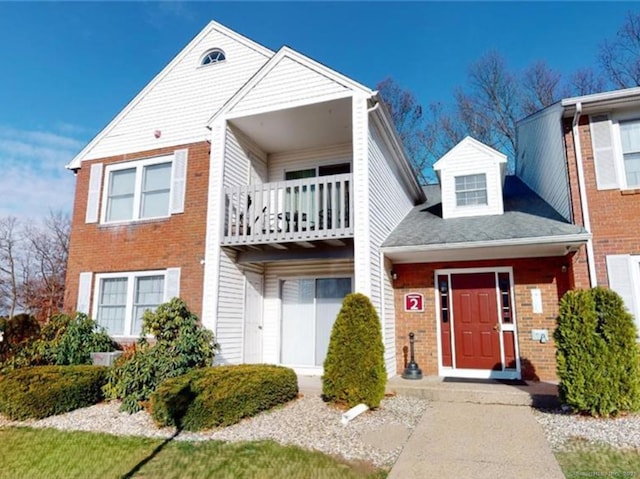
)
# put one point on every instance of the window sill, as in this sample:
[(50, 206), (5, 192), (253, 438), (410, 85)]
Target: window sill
[(116, 224), (634, 191)]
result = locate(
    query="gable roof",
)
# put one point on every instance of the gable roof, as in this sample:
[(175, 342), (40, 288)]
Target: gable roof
[(527, 217), (277, 59), (469, 142), (211, 26)]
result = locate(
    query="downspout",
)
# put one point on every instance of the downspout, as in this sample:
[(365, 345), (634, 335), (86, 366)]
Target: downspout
[(583, 194)]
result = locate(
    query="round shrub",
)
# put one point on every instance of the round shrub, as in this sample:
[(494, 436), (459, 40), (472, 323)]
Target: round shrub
[(43, 391), (181, 345), (222, 395), (597, 355), (354, 370)]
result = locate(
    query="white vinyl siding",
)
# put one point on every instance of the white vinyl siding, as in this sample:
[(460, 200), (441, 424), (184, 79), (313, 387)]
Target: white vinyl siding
[(288, 82), (181, 99), (541, 158), (623, 272), (389, 204), (120, 299)]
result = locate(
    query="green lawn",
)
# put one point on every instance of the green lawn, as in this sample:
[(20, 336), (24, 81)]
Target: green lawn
[(584, 460), (50, 454)]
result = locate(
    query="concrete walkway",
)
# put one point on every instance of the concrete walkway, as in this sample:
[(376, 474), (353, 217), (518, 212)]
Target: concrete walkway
[(466, 440)]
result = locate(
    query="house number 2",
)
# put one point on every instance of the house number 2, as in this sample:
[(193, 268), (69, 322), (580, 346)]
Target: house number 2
[(414, 302)]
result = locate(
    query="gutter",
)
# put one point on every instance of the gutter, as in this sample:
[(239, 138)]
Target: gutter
[(577, 147), (573, 238)]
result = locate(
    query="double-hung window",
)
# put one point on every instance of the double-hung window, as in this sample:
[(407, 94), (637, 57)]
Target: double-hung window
[(138, 190), (122, 299), (471, 190), (630, 142)]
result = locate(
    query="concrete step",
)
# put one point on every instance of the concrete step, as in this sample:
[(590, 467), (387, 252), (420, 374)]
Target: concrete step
[(525, 393)]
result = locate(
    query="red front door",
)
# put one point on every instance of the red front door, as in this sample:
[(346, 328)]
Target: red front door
[(476, 326)]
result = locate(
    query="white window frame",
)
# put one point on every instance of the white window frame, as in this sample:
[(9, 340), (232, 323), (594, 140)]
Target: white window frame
[(207, 53), (131, 277), (486, 190), (617, 147), (139, 165)]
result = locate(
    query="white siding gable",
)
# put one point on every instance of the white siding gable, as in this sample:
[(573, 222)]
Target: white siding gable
[(470, 157), (177, 104), (288, 82)]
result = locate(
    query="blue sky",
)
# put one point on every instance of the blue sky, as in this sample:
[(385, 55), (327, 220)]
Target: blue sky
[(68, 68)]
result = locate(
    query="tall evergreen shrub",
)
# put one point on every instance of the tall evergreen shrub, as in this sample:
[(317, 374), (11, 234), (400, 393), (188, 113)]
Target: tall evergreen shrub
[(597, 354), (354, 370)]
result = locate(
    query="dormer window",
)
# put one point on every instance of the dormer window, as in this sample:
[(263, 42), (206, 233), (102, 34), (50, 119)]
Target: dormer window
[(471, 190), (213, 56)]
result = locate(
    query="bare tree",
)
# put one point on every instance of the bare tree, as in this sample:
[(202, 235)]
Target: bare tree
[(620, 58), (47, 245), (540, 87), (585, 82), (408, 119), (9, 263)]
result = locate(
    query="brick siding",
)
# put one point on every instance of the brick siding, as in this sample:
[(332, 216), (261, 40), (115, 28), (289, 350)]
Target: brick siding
[(176, 241)]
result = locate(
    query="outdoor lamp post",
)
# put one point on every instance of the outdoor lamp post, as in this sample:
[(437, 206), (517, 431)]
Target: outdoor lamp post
[(412, 371)]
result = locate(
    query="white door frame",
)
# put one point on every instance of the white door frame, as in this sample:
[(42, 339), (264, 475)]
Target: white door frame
[(477, 373)]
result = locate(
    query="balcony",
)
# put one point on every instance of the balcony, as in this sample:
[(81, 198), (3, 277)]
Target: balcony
[(296, 211)]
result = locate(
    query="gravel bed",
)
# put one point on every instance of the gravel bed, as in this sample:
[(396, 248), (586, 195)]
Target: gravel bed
[(561, 428), (307, 422)]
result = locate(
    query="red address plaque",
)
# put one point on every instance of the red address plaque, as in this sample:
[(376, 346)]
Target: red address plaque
[(414, 302)]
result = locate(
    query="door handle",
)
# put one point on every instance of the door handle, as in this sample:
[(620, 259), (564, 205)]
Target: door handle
[(497, 327)]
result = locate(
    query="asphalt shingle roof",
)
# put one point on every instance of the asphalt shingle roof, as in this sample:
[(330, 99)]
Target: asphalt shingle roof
[(526, 215)]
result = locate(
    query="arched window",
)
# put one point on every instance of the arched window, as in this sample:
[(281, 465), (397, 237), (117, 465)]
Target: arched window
[(213, 56)]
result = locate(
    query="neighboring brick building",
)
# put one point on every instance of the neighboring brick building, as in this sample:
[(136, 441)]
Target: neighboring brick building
[(592, 145)]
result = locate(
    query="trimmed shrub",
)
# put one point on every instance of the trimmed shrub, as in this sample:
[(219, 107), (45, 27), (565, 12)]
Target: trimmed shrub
[(64, 340), (17, 333), (597, 355), (354, 370), (43, 391), (221, 395), (181, 345)]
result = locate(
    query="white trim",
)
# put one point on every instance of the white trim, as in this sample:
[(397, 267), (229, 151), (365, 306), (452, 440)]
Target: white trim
[(131, 277), (581, 237), (469, 141), (598, 97), (139, 166), (477, 373)]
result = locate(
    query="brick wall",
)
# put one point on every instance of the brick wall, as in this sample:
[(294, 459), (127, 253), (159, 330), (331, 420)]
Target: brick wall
[(543, 273), (614, 214), (177, 241)]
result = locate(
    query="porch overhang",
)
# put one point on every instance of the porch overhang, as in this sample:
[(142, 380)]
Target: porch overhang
[(537, 247)]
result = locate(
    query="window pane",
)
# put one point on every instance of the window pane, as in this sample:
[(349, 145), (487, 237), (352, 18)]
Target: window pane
[(632, 168), (155, 194), (120, 198), (630, 136), (471, 190), (298, 322), (112, 305), (149, 293), (329, 293)]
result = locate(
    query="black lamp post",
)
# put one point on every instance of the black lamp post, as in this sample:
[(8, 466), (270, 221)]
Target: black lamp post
[(412, 371)]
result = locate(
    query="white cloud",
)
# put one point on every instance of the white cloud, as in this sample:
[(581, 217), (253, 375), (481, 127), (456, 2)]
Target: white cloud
[(33, 179)]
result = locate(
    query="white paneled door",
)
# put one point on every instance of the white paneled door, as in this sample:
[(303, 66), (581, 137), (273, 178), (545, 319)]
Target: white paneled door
[(253, 319)]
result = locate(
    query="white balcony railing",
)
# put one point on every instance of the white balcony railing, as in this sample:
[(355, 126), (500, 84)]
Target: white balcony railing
[(296, 210)]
